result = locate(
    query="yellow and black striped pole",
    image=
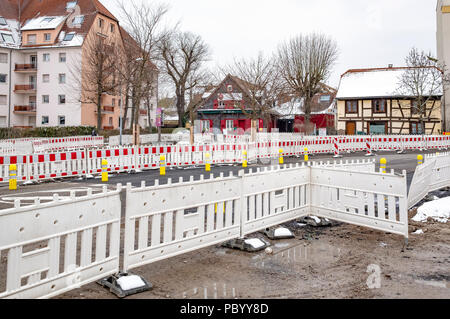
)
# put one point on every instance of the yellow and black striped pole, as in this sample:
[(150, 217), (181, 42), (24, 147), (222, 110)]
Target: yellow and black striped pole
[(383, 163), (207, 162), (281, 160), (244, 161), (162, 165), (104, 170), (419, 159), (306, 155), (13, 177)]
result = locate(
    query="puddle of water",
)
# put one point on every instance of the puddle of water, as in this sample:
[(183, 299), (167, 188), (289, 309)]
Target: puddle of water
[(440, 284), (314, 253), (214, 291)]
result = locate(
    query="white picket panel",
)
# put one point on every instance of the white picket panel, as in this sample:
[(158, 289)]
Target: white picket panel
[(372, 200), (50, 246), (272, 197), (166, 220)]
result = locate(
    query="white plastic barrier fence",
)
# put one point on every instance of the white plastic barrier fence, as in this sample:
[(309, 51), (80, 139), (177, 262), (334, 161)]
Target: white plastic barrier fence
[(58, 246), (365, 199), (177, 218), (56, 165), (432, 175), (166, 220)]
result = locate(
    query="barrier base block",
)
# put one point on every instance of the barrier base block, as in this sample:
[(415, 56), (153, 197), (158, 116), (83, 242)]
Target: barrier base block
[(247, 244), (125, 284), (278, 233)]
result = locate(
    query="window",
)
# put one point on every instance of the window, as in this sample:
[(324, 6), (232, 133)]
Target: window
[(221, 104), (47, 36), (229, 88), (44, 119), (2, 21), (3, 99), (378, 128), (229, 124), (415, 109), (7, 38), (205, 126), (62, 57), (379, 106), (46, 57), (31, 39), (3, 78), (45, 78), (111, 27), (48, 20), (62, 99), (120, 103), (61, 120), (113, 102), (45, 99), (325, 98), (71, 4), (62, 78), (69, 36), (2, 121), (351, 106), (78, 20), (3, 58), (100, 23), (415, 128), (110, 121)]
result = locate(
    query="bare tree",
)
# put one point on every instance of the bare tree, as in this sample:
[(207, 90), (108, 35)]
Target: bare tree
[(423, 80), (183, 54), (261, 80), (98, 71), (305, 61), (143, 30)]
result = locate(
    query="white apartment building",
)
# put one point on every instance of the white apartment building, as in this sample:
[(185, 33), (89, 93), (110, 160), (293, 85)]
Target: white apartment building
[(41, 56)]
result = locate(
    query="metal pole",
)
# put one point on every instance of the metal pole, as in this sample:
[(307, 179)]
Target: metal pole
[(121, 116)]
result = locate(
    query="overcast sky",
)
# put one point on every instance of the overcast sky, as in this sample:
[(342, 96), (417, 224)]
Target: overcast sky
[(369, 33)]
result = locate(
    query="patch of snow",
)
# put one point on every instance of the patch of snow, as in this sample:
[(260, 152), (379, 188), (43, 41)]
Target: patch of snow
[(44, 22), (301, 224), (438, 210), (383, 244), (418, 232), (130, 282), (282, 232), (255, 242)]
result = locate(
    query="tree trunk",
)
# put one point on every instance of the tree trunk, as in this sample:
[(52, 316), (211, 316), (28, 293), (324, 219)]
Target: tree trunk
[(99, 112), (148, 115), (191, 131), (180, 106)]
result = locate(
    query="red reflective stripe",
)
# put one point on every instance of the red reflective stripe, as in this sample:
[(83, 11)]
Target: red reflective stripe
[(73, 155)]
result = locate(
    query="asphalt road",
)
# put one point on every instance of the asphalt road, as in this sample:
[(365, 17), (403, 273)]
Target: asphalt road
[(398, 162)]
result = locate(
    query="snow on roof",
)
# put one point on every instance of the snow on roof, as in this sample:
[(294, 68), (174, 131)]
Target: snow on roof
[(43, 23), (290, 109), (375, 83)]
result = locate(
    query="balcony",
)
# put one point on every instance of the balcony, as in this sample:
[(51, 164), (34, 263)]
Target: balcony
[(25, 88), (26, 68), (143, 112), (25, 109), (108, 127), (107, 109)]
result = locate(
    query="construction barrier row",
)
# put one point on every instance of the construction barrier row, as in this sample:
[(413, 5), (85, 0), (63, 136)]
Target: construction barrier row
[(60, 245), (134, 158)]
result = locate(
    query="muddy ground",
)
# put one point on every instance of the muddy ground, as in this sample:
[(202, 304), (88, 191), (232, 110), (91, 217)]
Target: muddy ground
[(327, 262)]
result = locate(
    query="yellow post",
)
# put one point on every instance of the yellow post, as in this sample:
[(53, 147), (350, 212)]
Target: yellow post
[(383, 163), (208, 162), (162, 165), (244, 162), (104, 170), (13, 177), (306, 154), (281, 160), (419, 159)]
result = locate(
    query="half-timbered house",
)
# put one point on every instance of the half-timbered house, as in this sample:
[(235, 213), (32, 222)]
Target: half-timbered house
[(368, 103)]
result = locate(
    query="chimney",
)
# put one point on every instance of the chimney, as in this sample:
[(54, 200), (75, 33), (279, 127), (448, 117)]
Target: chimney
[(390, 66)]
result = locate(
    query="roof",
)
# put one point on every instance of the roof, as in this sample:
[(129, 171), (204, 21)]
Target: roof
[(371, 83), (34, 12), (294, 107)]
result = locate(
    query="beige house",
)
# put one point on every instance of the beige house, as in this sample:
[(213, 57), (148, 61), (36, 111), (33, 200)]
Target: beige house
[(367, 103)]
